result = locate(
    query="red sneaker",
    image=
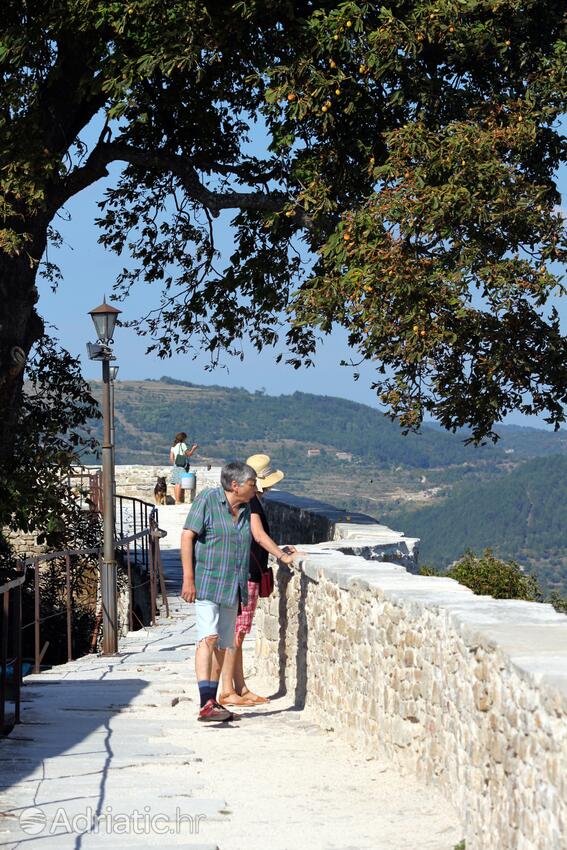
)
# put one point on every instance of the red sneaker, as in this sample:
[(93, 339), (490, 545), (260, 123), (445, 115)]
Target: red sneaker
[(212, 711)]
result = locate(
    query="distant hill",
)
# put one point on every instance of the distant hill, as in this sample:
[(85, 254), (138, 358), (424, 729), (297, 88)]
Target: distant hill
[(524, 442), (520, 515), (221, 418)]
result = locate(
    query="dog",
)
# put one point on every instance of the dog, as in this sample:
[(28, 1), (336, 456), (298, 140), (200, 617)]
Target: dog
[(160, 491)]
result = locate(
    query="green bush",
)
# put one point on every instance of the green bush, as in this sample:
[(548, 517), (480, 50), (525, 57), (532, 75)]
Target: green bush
[(488, 575), (428, 570), (558, 602)]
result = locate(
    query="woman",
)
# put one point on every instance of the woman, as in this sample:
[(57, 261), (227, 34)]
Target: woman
[(180, 449), (234, 689)]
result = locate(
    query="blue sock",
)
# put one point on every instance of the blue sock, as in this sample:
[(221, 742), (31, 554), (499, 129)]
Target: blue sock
[(207, 690)]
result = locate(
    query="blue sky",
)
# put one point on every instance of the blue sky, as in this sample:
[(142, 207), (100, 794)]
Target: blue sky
[(89, 272)]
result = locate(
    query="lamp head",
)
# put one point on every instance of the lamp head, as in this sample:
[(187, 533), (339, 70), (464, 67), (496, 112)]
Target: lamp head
[(104, 319), (113, 372)]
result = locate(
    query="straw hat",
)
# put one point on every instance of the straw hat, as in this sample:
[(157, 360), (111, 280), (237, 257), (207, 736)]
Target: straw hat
[(265, 475)]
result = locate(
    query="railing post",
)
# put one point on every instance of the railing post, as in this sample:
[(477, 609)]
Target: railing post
[(135, 532), (17, 643), (36, 616), (69, 606), (130, 593), (4, 657), (152, 579), (161, 577)]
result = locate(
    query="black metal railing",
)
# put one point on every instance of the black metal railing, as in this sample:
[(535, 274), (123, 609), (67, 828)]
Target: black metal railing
[(137, 545), (11, 649), (131, 516)]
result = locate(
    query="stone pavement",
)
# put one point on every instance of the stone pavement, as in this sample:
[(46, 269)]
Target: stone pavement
[(110, 751)]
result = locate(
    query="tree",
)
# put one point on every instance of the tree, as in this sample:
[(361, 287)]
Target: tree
[(50, 433), (411, 149)]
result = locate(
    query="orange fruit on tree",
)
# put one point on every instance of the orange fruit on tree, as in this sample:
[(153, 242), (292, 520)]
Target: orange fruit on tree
[(291, 96)]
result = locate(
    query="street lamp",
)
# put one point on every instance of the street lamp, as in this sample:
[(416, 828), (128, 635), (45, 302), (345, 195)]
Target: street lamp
[(104, 319)]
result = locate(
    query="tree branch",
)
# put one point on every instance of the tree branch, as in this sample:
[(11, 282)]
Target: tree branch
[(71, 94), (104, 153)]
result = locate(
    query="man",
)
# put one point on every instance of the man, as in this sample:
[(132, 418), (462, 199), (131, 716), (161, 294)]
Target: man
[(234, 690), (215, 553)]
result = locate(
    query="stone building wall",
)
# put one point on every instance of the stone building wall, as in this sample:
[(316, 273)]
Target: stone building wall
[(465, 691)]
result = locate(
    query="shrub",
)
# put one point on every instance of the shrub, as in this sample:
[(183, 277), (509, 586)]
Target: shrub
[(488, 575), (428, 570), (558, 602)]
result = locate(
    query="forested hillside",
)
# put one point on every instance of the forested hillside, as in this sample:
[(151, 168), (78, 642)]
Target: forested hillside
[(217, 417), (521, 515), (223, 419)]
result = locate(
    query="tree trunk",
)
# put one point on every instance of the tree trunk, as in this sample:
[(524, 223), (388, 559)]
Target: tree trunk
[(20, 327)]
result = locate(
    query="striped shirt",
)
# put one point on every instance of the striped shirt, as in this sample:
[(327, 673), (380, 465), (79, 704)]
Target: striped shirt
[(222, 548)]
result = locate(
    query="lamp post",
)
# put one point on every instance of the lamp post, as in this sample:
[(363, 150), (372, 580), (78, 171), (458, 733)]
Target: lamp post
[(104, 319), (113, 376)]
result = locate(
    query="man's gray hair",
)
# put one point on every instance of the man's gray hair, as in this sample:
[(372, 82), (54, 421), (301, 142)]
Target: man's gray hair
[(236, 471)]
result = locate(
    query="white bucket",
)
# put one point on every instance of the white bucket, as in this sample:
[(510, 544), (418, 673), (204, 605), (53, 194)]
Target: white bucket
[(189, 481)]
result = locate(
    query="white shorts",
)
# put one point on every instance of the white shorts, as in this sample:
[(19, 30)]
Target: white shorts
[(214, 619)]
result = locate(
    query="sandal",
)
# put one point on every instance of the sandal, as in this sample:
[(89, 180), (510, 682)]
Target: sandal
[(235, 699), (255, 698)]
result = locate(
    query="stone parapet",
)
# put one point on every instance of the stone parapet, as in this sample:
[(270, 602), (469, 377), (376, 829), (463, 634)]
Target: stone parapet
[(299, 518), (465, 691)]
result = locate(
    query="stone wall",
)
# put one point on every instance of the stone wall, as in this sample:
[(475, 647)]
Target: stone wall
[(134, 480), (139, 481), (467, 692), (25, 543)]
